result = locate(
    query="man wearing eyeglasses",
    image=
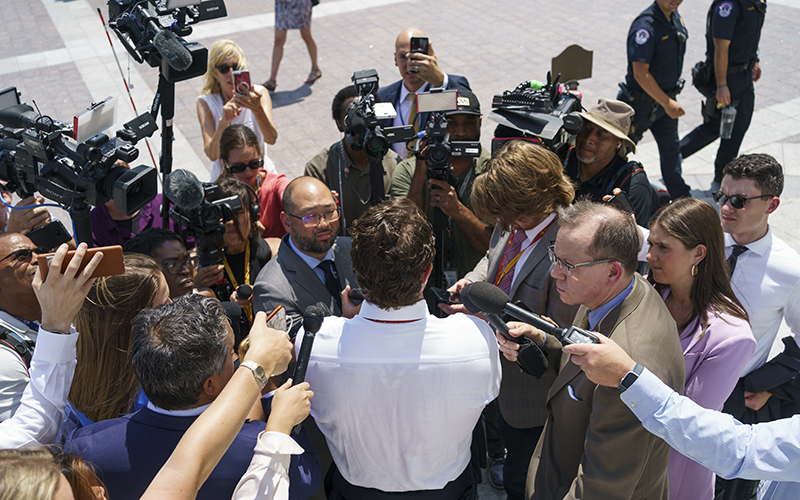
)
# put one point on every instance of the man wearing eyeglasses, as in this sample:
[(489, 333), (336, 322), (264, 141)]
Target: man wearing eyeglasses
[(312, 264), (766, 279), (592, 445)]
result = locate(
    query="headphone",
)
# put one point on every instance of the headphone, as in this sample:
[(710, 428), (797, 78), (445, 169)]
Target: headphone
[(255, 208)]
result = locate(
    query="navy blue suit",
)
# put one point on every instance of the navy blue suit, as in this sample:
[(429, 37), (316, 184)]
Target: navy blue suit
[(391, 93), (129, 451)]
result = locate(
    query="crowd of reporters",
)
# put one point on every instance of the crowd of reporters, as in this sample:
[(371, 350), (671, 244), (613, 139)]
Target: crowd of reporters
[(153, 402)]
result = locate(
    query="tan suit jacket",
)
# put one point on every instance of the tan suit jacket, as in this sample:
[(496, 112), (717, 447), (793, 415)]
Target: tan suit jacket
[(522, 397), (592, 445)]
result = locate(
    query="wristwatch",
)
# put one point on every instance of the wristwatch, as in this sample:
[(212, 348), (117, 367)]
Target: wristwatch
[(630, 377), (258, 372)]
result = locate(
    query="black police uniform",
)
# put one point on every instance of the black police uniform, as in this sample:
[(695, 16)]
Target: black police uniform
[(739, 21), (661, 43)]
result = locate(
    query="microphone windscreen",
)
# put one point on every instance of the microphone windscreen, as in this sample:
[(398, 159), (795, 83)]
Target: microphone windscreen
[(172, 50), (486, 298), (244, 292), (184, 190), (312, 318)]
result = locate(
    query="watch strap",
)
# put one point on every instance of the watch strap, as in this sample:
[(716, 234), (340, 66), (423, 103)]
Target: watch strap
[(630, 377), (258, 372)]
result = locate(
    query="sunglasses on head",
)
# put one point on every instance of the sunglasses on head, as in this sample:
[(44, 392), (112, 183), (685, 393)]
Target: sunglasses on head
[(224, 68), (23, 254), (238, 168), (737, 201)]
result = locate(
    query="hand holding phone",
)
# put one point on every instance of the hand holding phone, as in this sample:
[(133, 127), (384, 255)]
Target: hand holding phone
[(61, 296), (241, 81), (111, 264)]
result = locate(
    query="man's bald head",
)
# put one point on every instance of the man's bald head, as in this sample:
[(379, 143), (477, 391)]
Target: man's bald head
[(305, 187), (404, 38)]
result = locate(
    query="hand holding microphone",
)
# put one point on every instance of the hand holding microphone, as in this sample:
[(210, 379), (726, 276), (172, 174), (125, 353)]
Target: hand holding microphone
[(312, 322)]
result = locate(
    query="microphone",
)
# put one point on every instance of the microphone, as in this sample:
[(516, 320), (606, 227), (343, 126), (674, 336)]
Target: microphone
[(312, 322), (494, 320), (172, 50), (487, 298), (244, 292), (183, 189)]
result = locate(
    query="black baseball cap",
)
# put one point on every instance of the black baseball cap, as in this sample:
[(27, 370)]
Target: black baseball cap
[(467, 103)]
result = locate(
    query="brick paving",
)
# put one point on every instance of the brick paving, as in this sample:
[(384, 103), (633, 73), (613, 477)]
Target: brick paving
[(56, 53)]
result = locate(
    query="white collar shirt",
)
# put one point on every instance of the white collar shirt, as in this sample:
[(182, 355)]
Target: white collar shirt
[(398, 393), (312, 262), (767, 283), (530, 234)]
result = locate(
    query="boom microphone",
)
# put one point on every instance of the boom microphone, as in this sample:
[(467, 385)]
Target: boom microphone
[(172, 50), (487, 298), (183, 189)]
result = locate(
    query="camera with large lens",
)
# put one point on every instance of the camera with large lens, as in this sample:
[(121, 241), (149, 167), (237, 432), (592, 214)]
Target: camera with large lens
[(545, 111), (198, 217), (436, 148), (362, 122), (39, 154)]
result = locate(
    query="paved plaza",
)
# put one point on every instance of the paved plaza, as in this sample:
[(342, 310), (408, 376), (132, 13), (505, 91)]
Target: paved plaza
[(57, 54)]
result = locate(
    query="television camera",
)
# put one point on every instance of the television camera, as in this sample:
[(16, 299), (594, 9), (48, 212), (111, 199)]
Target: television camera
[(545, 111), (39, 154)]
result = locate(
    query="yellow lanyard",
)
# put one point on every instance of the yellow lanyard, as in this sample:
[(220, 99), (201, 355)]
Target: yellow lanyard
[(505, 270), (249, 309)]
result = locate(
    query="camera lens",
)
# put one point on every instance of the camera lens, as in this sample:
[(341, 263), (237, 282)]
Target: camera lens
[(438, 154), (211, 215), (375, 145)]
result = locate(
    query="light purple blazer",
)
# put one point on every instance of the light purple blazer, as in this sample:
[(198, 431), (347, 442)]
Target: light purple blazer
[(714, 360)]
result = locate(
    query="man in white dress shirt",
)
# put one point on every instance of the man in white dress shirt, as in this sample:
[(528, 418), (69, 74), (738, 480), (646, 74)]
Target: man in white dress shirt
[(766, 279), (398, 391)]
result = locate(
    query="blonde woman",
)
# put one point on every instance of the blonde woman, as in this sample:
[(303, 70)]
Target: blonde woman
[(220, 106)]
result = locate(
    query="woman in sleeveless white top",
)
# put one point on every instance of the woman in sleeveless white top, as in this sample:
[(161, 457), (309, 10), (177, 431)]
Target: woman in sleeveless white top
[(220, 106)]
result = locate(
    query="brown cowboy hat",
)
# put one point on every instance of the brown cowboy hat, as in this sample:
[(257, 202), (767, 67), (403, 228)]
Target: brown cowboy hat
[(613, 116)]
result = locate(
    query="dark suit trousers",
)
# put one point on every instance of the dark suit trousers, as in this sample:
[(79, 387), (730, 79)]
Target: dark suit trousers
[(520, 444)]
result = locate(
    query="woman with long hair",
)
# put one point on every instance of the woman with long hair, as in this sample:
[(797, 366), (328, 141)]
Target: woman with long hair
[(105, 386), (221, 105), (688, 268), (242, 157)]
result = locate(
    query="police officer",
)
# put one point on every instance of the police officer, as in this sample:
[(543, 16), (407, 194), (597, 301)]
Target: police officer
[(656, 45), (733, 30)]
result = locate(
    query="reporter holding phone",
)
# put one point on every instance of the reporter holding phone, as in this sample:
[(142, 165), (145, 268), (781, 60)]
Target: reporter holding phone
[(57, 300), (221, 105)]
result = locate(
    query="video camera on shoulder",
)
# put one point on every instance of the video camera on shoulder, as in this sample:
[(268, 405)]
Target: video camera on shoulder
[(40, 154), (546, 112), (362, 122), (198, 217), (435, 146)]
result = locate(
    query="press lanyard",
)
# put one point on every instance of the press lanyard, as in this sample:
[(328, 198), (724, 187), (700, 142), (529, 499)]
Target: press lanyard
[(502, 271), (248, 310)]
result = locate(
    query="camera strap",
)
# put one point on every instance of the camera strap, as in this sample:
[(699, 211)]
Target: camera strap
[(23, 348), (248, 310)]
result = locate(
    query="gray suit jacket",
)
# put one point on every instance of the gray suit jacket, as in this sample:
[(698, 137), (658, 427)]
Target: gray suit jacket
[(288, 281), (593, 446), (523, 397)]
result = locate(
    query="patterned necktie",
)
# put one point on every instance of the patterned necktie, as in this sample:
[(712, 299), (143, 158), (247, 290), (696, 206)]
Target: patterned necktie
[(737, 251), (331, 280), (585, 321), (511, 251), (412, 119)]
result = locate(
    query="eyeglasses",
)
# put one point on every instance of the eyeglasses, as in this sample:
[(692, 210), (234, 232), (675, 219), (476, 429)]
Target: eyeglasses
[(175, 266), (238, 168), (314, 220), (224, 68), (23, 255), (737, 201), (567, 268)]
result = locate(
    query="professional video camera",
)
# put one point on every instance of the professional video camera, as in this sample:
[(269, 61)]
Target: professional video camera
[(153, 35), (544, 111), (39, 154), (437, 149), (202, 219), (362, 122)]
